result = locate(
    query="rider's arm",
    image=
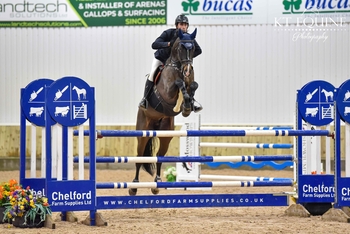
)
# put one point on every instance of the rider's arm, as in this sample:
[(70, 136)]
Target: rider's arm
[(163, 40)]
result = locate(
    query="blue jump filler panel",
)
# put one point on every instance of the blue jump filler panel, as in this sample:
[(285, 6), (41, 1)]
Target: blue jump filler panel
[(342, 113), (315, 105)]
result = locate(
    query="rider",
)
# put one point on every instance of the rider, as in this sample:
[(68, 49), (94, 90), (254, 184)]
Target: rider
[(163, 46)]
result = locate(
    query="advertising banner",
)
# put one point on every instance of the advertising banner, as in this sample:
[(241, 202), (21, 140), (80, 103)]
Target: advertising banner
[(81, 13), (90, 13), (211, 12), (228, 12)]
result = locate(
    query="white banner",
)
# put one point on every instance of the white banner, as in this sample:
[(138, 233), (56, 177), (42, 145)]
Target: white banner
[(221, 12)]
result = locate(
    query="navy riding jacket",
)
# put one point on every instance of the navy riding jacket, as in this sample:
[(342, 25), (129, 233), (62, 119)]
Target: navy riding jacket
[(163, 50)]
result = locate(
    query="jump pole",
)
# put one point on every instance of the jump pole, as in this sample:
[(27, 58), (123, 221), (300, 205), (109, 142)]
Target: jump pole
[(192, 146), (187, 184), (195, 123), (206, 133), (200, 159), (187, 159)]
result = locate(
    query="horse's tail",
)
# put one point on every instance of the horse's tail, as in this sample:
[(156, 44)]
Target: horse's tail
[(148, 152)]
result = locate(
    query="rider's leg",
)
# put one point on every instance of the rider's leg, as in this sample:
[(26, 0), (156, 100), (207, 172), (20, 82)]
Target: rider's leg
[(149, 83)]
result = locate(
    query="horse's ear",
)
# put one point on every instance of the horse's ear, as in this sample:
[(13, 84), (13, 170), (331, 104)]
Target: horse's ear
[(193, 35), (180, 34)]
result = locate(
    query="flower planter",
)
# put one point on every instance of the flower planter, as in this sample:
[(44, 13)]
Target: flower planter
[(26, 209), (2, 210), (23, 222), (2, 215)]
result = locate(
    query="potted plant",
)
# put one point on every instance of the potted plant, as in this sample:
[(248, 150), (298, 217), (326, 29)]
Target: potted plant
[(170, 174), (5, 190), (26, 209)]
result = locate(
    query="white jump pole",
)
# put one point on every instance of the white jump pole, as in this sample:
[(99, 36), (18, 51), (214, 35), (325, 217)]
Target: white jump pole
[(238, 178), (59, 153), (43, 153), (81, 152), (328, 153), (70, 154), (33, 152)]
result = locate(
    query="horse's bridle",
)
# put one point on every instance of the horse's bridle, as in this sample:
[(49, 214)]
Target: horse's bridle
[(185, 64)]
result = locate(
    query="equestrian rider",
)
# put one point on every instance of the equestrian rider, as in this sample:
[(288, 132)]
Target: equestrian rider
[(163, 46)]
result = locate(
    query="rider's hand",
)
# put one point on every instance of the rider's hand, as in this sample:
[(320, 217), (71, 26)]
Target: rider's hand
[(171, 43)]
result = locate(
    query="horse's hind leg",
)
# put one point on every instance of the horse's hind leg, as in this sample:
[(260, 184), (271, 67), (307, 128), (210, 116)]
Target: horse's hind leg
[(163, 148), (157, 179), (142, 142), (133, 191), (166, 124)]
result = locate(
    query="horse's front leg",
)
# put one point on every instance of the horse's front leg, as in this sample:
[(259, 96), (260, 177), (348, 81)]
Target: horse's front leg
[(187, 100), (193, 87)]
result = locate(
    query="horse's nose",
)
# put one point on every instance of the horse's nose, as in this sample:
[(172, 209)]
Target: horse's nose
[(187, 70)]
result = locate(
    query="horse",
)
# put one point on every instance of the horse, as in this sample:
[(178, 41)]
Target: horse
[(80, 91), (327, 94), (172, 94)]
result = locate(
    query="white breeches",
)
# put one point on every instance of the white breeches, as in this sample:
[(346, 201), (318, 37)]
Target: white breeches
[(155, 64)]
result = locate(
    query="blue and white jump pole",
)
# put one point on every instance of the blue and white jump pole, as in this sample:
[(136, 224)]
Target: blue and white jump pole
[(206, 133)]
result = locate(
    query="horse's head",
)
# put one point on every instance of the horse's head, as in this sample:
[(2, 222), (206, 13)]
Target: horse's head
[(183, 51)]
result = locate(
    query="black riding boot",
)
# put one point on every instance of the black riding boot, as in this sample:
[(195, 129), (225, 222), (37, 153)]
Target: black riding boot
[(148, 87)]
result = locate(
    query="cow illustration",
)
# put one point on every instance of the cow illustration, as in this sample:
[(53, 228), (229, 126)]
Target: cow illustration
[(347, 110), (311, 111), (37, 111), (62, 110)]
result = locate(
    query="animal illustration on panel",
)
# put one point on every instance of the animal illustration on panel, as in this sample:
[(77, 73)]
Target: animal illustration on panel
[(328, 94), (79, 92)]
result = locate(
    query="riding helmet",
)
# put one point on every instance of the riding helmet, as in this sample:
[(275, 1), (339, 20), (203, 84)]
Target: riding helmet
[(181, 19)]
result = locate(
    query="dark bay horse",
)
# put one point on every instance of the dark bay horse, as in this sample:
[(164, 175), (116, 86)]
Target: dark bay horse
[(173, 93)]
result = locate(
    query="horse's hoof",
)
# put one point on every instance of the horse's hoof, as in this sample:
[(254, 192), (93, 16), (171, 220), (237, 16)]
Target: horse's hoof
[(155, 191), (186, 112), (132, 192)]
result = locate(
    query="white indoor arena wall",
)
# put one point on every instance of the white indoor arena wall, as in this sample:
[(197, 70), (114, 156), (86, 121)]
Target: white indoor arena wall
[(247, 74)]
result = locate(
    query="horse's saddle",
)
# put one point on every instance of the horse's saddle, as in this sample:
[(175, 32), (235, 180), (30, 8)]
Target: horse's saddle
[(156, 101)]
